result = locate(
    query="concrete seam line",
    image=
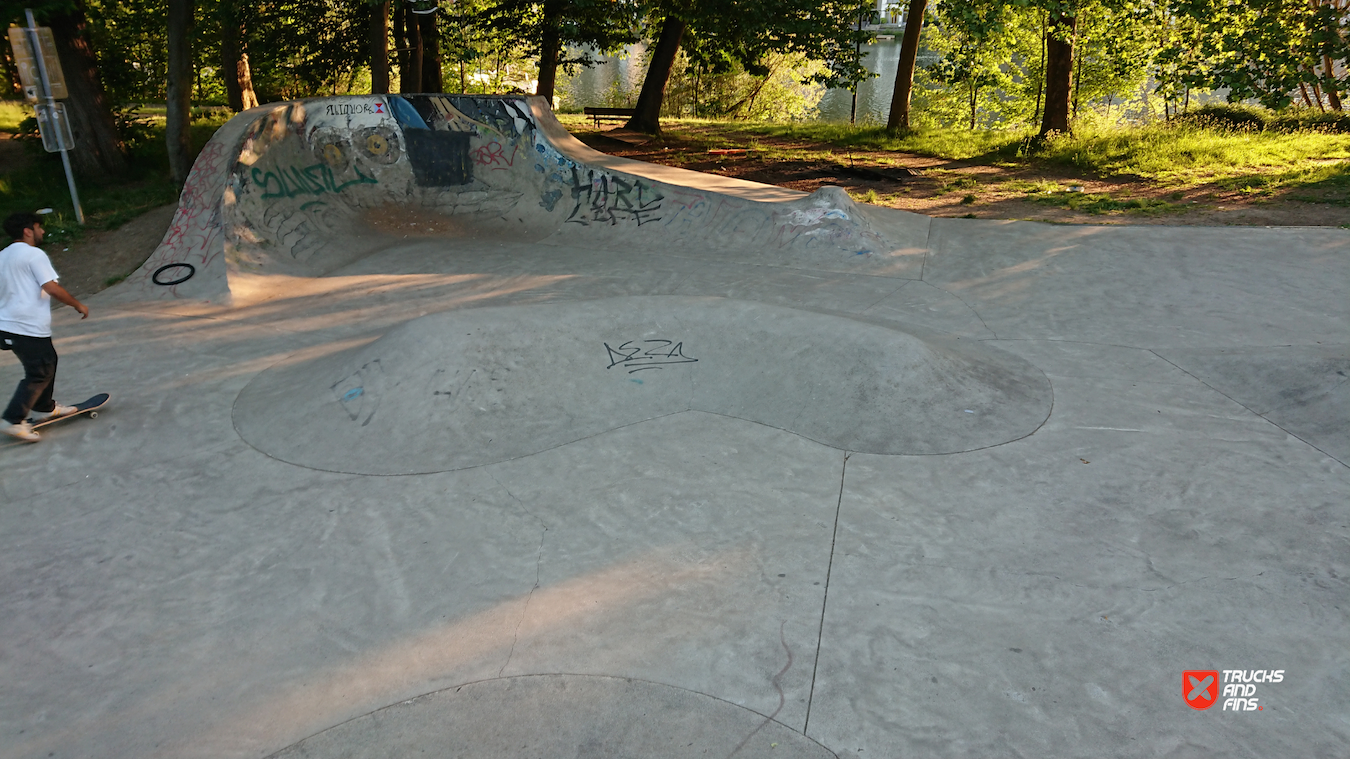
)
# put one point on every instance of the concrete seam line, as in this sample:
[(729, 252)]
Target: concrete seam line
[(824, 601)]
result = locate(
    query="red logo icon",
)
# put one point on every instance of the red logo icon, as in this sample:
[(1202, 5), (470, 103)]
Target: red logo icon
[(1200, 687), (379, 107)]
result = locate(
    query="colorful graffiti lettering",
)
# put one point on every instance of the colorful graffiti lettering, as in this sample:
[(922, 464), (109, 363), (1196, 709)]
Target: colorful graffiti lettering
[(603, 199), (493, 155), (309, 180)]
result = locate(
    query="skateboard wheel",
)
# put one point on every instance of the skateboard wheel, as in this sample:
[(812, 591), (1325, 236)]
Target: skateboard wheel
[(93, 414)]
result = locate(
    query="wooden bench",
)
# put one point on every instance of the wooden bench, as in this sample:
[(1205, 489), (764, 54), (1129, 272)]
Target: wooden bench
[(610, 114)]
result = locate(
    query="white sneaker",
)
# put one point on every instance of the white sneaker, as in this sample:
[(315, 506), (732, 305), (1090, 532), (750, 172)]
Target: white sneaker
[(22, 430), (55, 413)]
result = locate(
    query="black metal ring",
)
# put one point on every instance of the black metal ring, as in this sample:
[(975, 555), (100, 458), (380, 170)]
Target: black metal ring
[(190, 271)]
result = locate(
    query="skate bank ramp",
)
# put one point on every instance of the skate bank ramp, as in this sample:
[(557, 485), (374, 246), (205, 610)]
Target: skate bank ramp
[(303, 188)]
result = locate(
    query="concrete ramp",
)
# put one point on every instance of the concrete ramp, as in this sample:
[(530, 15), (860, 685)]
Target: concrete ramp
[(480, 386), (306, 187)]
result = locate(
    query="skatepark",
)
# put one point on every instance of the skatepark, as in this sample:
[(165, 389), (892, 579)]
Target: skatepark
[(434, 432)]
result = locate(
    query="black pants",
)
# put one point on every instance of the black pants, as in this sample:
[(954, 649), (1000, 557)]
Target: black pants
[(34, 393)]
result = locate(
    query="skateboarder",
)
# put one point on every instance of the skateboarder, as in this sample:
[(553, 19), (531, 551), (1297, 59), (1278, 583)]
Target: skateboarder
[(27, 285)]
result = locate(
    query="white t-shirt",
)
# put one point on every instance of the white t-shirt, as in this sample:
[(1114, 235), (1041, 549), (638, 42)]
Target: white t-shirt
[(25, 308)]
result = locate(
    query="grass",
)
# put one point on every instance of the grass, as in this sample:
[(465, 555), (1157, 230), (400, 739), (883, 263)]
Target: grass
[(1180, 155), (107, 204), (1105, 202)]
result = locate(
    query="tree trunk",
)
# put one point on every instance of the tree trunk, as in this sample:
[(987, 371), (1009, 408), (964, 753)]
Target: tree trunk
[(245, 76), (1058, 74), (1332, 95), (648, 116), (230, 50), (410, 58), (549, 48), (98, 148), (430, 34), (178, 115), (379, 48), (904, 75)]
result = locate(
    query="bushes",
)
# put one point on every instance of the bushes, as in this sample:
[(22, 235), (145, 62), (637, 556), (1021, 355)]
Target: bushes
[(1232, 117)]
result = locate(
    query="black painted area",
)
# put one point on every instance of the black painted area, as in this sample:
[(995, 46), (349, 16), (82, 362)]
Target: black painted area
[(439, 159)]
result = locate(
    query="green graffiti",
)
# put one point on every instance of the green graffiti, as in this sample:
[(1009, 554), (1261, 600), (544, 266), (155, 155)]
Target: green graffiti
[(308, 180)]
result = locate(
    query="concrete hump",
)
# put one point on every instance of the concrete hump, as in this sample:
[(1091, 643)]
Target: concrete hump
[(305, 187), (472, 387)]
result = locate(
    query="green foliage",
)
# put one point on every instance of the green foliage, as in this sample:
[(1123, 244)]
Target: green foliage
[(106, 205), (13, 113), (1270, 50), (784, 91)]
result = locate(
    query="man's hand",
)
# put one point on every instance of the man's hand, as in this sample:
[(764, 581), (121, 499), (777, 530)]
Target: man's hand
[(54, 289)]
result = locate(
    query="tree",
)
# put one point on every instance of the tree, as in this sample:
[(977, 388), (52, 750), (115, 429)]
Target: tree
[(547, 29), (178, 114), (1059, 41), (904, 73), (99, 151), (379, 47), (719, 32)]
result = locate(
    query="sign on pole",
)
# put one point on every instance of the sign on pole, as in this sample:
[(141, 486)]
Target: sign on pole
[(54, 126), (29, 74)]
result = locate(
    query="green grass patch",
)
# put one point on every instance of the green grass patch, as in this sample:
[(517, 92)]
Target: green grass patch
[(1191, 155), (1320, 183), (1103, 203)]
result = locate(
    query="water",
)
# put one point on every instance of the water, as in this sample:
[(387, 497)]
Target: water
[(617, 75)]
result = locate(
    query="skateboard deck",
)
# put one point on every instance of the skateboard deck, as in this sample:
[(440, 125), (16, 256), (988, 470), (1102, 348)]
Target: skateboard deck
[(89, 407)]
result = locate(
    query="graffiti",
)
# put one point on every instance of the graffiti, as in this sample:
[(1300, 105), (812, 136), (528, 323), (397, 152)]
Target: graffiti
[(659, 353), (609, 200), (309, 180), (493, 155), (347, 109), (810, 217)]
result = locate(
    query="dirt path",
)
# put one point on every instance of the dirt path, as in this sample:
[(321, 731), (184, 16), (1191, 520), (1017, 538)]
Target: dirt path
[(962, 189)]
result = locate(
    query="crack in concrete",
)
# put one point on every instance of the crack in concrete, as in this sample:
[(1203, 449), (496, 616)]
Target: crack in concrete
[(538, 572)]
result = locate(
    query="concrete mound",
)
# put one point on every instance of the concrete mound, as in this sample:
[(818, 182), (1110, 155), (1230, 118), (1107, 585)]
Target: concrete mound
[(290, 188), (561, 716), (472, 387)]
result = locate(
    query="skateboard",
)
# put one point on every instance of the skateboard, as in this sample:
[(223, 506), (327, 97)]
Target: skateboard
[(89, 407)]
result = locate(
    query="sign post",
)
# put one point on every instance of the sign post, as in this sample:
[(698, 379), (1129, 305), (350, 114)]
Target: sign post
[(43, 84)]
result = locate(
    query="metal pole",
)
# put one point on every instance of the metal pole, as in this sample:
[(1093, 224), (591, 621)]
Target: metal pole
[(51, 103)]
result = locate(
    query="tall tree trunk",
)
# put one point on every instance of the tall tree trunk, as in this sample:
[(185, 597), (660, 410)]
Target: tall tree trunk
[(904, 74), (1332, 94), (410, 57), (230, 50), (648, 116), (98, 148), (179, 107), (549, 48), (379, 48), (245, 77), (430, 34), (1058, 74)]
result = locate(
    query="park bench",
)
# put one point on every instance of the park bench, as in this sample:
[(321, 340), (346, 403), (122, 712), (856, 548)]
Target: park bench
[(610, 114)]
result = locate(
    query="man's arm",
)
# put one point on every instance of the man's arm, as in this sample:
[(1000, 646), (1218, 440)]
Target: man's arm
[(54, 289)]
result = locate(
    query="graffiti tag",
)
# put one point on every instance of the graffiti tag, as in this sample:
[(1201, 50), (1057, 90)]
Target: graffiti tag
[(346, 109), (658, 353), (308, 180), (608, 200), (493, 155)]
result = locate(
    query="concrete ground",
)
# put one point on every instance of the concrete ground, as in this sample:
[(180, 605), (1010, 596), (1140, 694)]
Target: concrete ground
[(993, 507)]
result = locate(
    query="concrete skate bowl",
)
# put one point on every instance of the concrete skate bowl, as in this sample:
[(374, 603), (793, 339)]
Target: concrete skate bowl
[(292, 189), (471, 387), (560, 716)]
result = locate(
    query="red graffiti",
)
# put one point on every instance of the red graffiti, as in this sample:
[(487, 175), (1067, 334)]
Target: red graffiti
[(493, 156)]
